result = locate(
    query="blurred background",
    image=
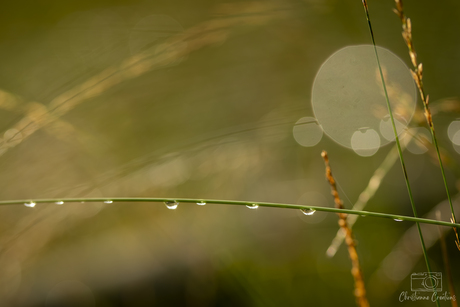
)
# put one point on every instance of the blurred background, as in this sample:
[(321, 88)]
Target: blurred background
[(213, 99)]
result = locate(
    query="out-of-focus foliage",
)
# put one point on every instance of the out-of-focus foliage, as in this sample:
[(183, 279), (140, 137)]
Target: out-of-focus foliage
[(201, 99)]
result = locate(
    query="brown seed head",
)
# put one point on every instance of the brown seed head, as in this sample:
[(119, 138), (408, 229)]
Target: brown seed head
[(420, 70)]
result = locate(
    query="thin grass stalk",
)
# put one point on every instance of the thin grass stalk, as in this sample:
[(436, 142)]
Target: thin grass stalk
[(417, 74), (360, 289), (445, 259), (364, 197), (403, 165), (110, 200)]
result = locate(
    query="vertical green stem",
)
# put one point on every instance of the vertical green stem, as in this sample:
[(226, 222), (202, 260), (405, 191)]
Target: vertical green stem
[(403, 165), (435, 142), (417, 75)]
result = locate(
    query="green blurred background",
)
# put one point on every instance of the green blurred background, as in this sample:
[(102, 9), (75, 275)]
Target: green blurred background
[(199, 99)]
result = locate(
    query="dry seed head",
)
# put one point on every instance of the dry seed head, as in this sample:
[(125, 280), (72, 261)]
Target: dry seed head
[(420, 70), (404, 24), (428, 118), (427, 112), (397, 12), (349, 240), (413, 57), (355, 271), (415, 77), (457, 240), (324, 155), (405, 37), (399, 6), (360, 291)]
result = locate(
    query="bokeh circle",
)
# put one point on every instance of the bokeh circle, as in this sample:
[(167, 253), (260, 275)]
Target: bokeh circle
[(348, 99)]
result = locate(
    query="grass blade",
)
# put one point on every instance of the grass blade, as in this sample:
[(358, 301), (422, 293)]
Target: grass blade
[(403, 165), (223, 202)]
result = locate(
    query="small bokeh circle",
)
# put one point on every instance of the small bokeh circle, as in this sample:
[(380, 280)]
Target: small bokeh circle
[(307, 132)]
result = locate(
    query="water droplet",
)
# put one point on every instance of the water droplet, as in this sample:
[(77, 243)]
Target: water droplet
[(30, 205), (201, 203), (312, 198), (171, 204), (59, 202), (108, 201), (398, 220), (308, 211), (253, 206)]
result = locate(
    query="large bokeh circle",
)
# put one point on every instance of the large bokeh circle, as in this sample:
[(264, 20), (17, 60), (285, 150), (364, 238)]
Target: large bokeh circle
[(349, 102)]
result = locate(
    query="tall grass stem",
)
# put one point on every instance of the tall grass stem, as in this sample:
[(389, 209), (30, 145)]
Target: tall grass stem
[(417, 74), (403, 165)]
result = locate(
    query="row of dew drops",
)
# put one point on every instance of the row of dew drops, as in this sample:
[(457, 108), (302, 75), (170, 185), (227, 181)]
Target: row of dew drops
[(174, 204)]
